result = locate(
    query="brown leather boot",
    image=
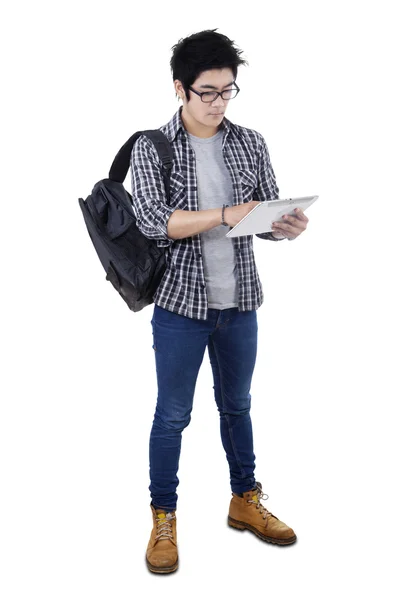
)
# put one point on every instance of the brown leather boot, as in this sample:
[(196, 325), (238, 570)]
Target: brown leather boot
[(249, 513), (162, 549)]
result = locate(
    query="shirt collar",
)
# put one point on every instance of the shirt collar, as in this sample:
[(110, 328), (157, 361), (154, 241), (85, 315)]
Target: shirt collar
[(176, 123)]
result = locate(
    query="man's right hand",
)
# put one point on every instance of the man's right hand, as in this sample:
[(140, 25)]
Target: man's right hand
[(234, 214)]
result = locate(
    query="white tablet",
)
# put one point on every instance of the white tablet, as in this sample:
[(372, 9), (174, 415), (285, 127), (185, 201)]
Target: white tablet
[(260, 219)]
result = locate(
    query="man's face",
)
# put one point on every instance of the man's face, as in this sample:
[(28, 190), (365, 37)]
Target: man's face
[(207, 114)]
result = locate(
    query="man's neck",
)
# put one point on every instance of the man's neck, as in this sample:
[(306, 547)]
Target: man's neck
[(195, 128)]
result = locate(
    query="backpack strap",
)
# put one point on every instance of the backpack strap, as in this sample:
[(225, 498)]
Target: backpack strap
[(121, 162)]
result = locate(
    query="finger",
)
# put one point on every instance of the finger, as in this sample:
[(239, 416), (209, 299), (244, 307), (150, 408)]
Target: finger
[(288, 219), (300, 215), (296, 222), (287, 228)]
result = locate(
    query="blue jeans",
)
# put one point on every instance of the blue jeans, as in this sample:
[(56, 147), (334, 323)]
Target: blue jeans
[(179, 346)]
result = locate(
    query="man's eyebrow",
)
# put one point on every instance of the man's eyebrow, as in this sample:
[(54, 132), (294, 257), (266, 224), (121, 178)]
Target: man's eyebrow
[(212, 87)]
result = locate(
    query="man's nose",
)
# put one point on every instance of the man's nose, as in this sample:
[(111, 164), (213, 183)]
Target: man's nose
[(218, 102)]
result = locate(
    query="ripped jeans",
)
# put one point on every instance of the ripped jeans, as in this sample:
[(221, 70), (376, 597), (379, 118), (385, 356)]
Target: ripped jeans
[(179, 345)]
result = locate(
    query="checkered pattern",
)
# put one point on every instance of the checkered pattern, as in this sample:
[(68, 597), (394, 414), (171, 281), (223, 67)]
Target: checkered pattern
[(183, 288)]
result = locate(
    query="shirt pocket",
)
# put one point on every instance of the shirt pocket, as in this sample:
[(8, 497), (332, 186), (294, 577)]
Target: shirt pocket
[(178, 194), (249, 182)]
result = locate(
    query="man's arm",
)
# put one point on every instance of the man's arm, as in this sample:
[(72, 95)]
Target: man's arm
[(267, 187), (186, 223), (148, 193), (154, 218)]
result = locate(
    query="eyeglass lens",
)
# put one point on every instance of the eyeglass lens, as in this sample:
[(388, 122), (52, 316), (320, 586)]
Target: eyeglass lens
[(211, 96)]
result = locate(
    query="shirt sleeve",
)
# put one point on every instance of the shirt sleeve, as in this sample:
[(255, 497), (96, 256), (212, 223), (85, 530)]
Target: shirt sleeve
[(149, 200), (267, 188)]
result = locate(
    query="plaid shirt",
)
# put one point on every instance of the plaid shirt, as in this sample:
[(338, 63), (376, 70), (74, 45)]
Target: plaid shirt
[(183, 288)]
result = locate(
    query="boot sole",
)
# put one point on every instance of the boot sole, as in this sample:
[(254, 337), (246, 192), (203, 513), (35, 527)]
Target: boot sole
[(242, 526), (162, 570)]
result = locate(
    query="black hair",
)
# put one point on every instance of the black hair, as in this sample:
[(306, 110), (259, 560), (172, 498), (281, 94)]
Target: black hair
[(203, 51)]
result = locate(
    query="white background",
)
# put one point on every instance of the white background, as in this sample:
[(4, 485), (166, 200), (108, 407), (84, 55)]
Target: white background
[(79, 387)]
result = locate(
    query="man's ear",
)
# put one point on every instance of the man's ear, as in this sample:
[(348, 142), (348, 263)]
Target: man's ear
[(179, 89)]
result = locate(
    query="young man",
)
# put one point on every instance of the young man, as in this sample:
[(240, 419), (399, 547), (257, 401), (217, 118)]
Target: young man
[(210, 292)]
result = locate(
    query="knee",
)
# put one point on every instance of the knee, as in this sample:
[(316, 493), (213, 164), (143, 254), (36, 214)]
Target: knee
[(236, 408), (242, 412), (174, 422)]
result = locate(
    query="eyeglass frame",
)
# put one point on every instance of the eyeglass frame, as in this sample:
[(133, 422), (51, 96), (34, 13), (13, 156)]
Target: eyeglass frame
[(215, 92)]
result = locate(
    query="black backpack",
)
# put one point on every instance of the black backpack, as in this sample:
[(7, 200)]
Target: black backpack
[(133, 263)]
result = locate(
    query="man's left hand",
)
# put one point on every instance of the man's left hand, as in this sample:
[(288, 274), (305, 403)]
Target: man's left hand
[(291, 226)]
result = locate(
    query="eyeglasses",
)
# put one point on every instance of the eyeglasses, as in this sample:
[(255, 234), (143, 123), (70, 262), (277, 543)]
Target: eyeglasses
[(211, 96)]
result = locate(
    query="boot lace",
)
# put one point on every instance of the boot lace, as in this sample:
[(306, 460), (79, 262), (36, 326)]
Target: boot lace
[(164, 527), (260, 496)]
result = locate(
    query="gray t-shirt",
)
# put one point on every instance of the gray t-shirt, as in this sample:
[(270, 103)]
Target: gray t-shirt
[(214, 187)]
